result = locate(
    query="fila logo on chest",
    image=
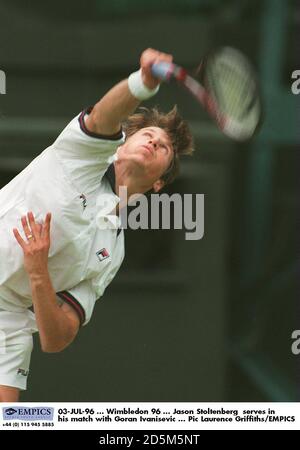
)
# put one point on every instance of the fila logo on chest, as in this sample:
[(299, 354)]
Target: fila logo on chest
[(102, 254)]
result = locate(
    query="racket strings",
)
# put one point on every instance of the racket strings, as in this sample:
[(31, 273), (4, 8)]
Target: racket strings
[(231, 88)]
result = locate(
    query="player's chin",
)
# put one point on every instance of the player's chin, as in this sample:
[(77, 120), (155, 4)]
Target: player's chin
[(141, 159)]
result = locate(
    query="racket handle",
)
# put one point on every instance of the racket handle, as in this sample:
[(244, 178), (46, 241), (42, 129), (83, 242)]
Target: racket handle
[(163, 70)]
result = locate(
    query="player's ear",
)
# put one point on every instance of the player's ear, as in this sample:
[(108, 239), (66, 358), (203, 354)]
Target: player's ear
[(158, 185)]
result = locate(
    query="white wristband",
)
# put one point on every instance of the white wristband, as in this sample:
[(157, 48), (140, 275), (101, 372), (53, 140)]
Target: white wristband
[(137, 87)]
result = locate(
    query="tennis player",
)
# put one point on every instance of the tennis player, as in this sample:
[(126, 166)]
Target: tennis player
[(61, 245)]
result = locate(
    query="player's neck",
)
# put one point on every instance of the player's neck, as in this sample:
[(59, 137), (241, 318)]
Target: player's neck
[(133, 181)]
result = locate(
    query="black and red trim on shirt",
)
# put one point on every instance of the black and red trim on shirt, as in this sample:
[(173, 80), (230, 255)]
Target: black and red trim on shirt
[(112, 137), (74, 303)]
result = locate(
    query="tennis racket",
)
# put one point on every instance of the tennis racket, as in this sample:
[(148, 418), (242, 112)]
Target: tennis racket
[(225, 84)]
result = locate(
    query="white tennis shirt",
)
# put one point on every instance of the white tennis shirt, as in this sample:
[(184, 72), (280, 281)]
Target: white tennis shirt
[(67, 179)]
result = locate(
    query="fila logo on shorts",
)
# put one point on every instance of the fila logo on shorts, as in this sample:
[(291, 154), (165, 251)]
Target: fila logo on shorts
[(102, 254)]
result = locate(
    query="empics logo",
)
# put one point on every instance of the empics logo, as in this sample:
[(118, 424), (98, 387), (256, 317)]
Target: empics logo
[(40, 413), (2, 82), (10, 411)]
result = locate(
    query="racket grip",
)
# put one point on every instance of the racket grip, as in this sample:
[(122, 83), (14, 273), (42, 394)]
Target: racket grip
[(162, 70)]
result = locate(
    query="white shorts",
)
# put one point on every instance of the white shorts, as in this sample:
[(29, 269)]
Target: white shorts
[(16, 329)]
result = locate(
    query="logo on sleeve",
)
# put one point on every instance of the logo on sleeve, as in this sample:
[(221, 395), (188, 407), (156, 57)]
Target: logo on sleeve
[(102, 254)]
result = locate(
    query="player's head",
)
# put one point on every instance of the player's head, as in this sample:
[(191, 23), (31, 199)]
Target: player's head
[(154, 143)]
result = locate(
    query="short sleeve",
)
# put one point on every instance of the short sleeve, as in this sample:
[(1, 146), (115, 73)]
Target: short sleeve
[(85, 155), (82, 299)]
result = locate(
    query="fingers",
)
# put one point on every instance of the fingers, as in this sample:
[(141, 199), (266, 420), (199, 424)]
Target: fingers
[(148, 58), (18, 238), (39, 227), (25, 226), (32, 229), (33, 225), (46, 226), (164, 57), (151, 56)]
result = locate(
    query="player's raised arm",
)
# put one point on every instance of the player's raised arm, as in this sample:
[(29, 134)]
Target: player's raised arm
[(108, 114)]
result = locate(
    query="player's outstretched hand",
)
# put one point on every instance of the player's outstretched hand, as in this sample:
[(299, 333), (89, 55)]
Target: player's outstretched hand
[(37, 244), (148, 58)]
